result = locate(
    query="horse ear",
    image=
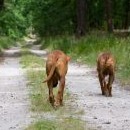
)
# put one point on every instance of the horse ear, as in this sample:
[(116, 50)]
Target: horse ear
[(68, 58)]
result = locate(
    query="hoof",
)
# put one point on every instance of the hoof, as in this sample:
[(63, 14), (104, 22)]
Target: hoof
[(52, 101), (103, 93), (56, 104), (107, 94), (110, 95)]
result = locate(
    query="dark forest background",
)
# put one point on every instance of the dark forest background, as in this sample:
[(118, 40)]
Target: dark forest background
[(55, 17)]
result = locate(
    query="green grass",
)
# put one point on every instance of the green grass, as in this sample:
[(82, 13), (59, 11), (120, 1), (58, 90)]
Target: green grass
[(5, 42), (39, 91), (29, 60), (39, 99), (87, 48), (39, 94), (66, 124)]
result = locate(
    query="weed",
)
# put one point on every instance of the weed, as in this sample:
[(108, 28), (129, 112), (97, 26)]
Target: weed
[(5, 42), (64, 124)]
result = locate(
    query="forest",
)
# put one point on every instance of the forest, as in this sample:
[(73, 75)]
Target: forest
[(54, 17)]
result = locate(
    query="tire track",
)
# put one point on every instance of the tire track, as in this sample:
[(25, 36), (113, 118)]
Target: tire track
[(14, 100)]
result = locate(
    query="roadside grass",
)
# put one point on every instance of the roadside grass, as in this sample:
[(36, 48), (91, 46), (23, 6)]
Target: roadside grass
[(39, 99), (29, 60), (38, 90), (5, 42), (87, 49), (65, 124)]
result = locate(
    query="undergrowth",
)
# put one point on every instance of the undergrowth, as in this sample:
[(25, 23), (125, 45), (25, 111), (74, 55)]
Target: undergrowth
[(66, 124), (6, 42)]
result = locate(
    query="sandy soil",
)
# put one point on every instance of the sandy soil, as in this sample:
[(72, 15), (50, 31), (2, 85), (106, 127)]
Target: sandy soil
[(14, 103)]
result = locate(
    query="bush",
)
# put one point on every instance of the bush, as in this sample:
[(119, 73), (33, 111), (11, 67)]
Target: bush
[(5, 42)]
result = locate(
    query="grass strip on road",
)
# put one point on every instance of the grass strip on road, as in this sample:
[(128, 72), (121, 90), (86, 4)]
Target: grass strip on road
[(64, 116)]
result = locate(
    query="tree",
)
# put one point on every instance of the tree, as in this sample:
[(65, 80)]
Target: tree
[(81, 17), (13, 22), (52, 17), (108, 10), (127, 14), (1, 4)]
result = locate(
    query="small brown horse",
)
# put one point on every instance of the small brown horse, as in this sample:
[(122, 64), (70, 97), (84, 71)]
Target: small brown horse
[(106, 67)]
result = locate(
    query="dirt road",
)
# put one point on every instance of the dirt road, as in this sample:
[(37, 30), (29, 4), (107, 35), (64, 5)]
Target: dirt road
[(14, 103), (100, 113)]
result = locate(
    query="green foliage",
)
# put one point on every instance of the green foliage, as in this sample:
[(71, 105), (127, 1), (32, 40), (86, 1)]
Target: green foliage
[(12, 21), (12, 24), (64, 124), (61, 42), (52, 17), (118, 13), (96, 13), (5, 42)]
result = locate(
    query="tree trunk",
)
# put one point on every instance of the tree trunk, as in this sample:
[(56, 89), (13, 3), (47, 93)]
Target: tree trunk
[(1, 4), (108, 9), (81, 19), (127, 14)]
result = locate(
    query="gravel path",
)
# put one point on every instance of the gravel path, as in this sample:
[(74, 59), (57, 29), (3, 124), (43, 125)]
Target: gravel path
[(101, 113), (14, 103)]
